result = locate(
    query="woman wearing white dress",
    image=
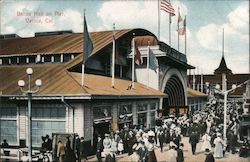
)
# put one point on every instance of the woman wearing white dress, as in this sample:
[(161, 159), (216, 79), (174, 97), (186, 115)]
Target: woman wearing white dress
[(218, 149), (206, 142)]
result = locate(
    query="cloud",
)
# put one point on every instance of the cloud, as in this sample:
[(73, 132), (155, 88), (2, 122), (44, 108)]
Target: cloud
[(128, 15), (210, 36), (239, 18), (72, 19)]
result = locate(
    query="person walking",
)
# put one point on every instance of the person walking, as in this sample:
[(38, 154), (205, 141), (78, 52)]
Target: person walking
[(172, 153), (180, 156), (161, 139), (150, 147), (60, 151), (193, 140), (209, 156), (69, 154), (206, 142), (99, 149), (78, 142), (218, 149), (83, 149)]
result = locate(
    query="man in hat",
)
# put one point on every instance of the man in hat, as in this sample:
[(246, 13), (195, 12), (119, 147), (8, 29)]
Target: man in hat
[(180, 156), (193, 140), (83, 149), (161, 138), (99, 148), (209, 156)]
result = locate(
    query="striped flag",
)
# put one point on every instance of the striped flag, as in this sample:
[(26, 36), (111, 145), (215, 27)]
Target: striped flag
[(182, 31), (167, 7), (137, 53)]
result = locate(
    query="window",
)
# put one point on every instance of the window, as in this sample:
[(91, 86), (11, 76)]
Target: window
[(102, 112), (66, 57), (47, 58), (13, 60), (57, 58), (22, 60), (5, 61), (32, 59), (47, 121), (8, 124), (152, 118), (125, 109), (142, 107)]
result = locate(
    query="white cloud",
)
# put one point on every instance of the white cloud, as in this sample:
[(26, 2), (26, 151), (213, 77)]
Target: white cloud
[(210, 36), (239, 18), (128, 15), (72, 19)]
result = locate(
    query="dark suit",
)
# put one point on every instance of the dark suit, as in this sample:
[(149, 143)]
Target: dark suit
[(180, 157), (209, 158), (193, 140), (99, 149)]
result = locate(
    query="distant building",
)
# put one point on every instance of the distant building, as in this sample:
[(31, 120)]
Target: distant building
[(63, 105), (206, 83)]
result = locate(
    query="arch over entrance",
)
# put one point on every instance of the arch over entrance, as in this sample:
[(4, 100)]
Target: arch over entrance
[(174, 86), (175, 91)]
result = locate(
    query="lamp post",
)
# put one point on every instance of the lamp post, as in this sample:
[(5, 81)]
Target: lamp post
[(225, 93), (29, 93)]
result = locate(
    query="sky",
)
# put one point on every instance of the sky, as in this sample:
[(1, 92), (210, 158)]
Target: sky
[(205, 22)]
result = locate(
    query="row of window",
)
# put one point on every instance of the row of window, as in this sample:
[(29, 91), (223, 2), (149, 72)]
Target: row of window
[(55, 120), (36, 59)]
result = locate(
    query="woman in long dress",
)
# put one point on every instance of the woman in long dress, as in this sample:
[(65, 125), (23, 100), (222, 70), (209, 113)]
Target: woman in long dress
[(218, 149), (150, 147), (206, 142)]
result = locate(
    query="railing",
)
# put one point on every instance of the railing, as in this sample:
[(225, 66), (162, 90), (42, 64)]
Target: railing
[(171, 52)]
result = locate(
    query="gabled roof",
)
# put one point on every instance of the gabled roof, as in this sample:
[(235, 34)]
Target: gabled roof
[(56, 44), (223, 67), (56, 80)]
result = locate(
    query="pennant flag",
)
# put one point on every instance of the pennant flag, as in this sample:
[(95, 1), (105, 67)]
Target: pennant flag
[(179, 17), (88, 45), (153, 62), (167, 7), (138, 56)]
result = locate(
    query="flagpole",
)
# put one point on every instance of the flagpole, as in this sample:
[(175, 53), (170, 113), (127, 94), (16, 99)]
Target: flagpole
[(169, 28), (148, 65), (133, 63), (194, 80), (185, 35), (178, 26), (159, 19), (113, 59)]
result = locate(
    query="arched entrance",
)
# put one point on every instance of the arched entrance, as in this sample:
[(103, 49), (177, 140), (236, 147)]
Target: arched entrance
[(174, 85), (175, 91)]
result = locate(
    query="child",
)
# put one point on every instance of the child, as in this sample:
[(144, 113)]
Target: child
[(120, 147)]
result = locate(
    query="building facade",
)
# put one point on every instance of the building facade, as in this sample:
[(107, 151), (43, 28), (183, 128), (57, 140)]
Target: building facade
[(63, 105)]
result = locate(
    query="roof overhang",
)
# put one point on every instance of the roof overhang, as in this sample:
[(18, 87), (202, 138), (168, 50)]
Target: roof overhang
[(81, 97)]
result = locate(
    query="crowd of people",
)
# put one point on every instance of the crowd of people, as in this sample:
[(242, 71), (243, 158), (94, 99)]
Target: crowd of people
[(205, 127)]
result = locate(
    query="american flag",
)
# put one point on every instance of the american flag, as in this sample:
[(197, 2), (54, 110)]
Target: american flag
[(167, 7), (182, 31)]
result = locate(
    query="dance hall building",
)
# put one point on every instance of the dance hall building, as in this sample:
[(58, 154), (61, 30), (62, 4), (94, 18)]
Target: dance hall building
[(63, 105)]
